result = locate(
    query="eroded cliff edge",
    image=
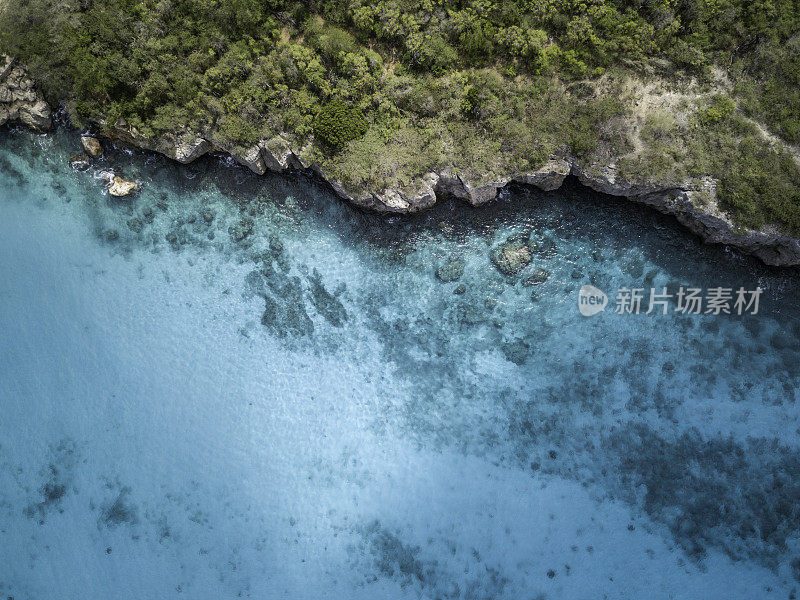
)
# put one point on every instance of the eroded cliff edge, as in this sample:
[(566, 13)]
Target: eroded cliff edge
[(19, 99), (693, 201)]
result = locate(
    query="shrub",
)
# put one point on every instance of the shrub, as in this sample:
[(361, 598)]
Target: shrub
[(572, 65), (478, 101), (337, 124), (717, 111), (331, 42), (687, 56), (430, 53)]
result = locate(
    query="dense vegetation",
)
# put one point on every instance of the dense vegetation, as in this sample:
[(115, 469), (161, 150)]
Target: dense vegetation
[(486, 85), (338, 123)]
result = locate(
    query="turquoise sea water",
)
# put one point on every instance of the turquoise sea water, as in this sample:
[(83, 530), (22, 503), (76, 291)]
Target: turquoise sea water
[(231, 386)]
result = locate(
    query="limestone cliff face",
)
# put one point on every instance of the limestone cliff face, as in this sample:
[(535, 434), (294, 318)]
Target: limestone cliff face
[(19, 99)]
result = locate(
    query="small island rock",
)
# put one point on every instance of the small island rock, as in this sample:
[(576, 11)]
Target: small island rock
[(120, 187), (92, 146)]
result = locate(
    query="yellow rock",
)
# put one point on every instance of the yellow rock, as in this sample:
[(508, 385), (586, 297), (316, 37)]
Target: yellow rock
[(92, 146), (119, 186)]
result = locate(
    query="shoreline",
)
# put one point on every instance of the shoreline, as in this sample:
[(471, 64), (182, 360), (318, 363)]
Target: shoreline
[(693, 203)]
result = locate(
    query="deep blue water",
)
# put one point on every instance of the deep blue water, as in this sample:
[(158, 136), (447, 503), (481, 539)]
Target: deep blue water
[(308, 412)]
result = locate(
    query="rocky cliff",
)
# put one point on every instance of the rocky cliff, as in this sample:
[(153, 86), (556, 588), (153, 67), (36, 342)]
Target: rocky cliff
[(19, 99)]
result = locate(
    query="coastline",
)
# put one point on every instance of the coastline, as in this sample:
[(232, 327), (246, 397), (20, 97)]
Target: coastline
[(693, 202), (215, 300)]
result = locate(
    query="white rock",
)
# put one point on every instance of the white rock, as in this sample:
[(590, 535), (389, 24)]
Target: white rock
[(119, 186)]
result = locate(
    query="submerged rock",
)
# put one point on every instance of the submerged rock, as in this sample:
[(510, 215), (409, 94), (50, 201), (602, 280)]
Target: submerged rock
[(470, 314), (242, 229), (285, 314), (254, 284), (512, 256), (649, 278), (539, 276), (79, 162), (326, 304), (451, 270), (516, 351), (635, 267), (781, 341), (282, 260), (135, 225), (275, 245), (287, 317), (92, 146), (120, 511), (542, 245)]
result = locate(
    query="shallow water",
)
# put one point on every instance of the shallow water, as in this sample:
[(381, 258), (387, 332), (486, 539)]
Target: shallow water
[(309, 412)]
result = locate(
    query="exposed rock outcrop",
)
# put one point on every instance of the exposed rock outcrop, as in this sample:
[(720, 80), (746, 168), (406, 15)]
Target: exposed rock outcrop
[(275, 153), (119, 186), (184, 147), (414, 198), (92, 146), (456, 186), (549, 177), (19, 99)]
